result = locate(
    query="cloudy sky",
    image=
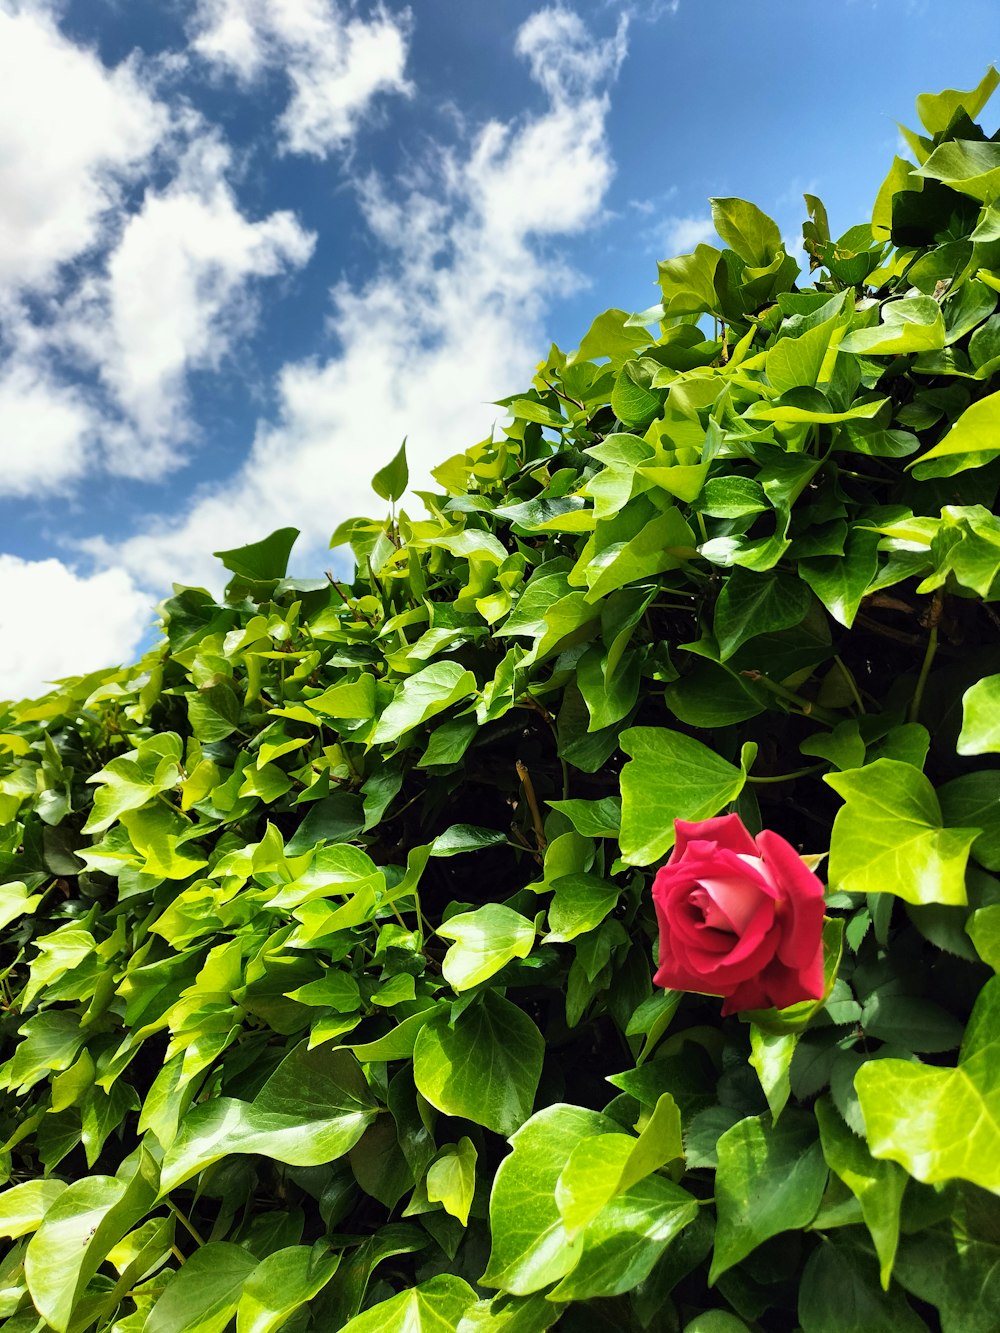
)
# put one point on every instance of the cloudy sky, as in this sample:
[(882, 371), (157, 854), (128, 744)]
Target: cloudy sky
[(247, 245)]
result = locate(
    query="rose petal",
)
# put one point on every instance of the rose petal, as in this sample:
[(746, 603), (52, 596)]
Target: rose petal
[(726, 831), (750, 995), (735, 900), (778, 987), (801, 901)]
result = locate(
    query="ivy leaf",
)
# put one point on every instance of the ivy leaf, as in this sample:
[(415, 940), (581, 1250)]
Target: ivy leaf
[(771, 1056), (530, 1247), (451, 1178), (745, 229), (770, 1179), (390, 482), (79, 1229), (981, 718), (601, 1168), (751, 604), (281, 1284), (421, 697), (609, 335), (938, 110), (969, 166), (837, 1290), (909, 324), (878, 1186), (432, 1307), (485, 941), (313, 1109), (593, 819), (840, 582), (670, 776), (955, 1264), (888, 837), (974, 433), (483, 1065), (259, 561), (580, 902), (23, 1207), (941, 1123), (625, 1240), (203, 1294)]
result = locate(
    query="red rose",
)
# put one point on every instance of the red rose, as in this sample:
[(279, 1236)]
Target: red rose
[(739, 917)]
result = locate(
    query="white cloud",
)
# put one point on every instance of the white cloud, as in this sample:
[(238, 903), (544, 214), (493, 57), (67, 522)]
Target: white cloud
[(336, 63), (680, 235), (451, 320), (142, 289), (55, 622), (46, 431), (175, 296), (70, 132), (563, 58)]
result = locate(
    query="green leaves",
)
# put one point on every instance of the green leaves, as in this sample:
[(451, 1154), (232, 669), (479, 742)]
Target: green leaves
[(422, 696), (971, 442), (550, 1219), (770, 1179), (751, 233), (889, 838), (433, 1307), (530, 1246), (752, 604), (878, 1186), (941, 1123), (205, 1293), (981, 718), (670, 776), (263, 560), (79, 1229), (318, 902), (911, 324), (390, 482), (483, 1064), (485, 941), (313, 1109)]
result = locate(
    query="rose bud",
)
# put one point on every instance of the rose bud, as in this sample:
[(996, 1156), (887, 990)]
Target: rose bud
[(739, 917)]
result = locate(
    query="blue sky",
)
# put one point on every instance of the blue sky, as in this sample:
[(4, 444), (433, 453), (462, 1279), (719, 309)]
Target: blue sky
[(247, 245)]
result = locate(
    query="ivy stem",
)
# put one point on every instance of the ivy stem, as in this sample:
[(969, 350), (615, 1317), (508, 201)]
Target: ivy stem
[(350, 606), (806, 705), (183, 1220), (787, 777), (536, 814), (933, 618), (852, 684)]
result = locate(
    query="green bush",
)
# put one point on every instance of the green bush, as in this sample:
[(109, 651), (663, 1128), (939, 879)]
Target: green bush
[(348, 883)]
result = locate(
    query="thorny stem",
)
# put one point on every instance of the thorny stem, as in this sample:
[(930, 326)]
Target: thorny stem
[(536, 814)]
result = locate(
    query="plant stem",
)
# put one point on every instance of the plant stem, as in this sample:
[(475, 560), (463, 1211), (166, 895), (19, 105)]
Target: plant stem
[(852, 684), (787, 777), (183, 1220), (805, 705), (925, 669), (536, 814)]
